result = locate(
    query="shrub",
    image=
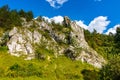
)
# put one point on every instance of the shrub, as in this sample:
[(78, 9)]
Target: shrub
[(17, 70), (111, 71), (69, 53), (9, 18), (2, 72), (39, 55), (90, 74), (4, 39)]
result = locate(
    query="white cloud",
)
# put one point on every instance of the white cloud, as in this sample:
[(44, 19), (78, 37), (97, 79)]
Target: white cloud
[(99, 24), (57, 19), (81, 24), (56, 3), (113, 30)]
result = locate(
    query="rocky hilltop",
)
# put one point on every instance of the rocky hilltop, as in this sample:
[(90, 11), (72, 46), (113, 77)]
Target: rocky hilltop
[(60, 39)]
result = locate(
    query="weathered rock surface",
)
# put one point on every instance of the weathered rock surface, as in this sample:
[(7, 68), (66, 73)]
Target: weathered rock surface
[(87, 54), (67, 39)]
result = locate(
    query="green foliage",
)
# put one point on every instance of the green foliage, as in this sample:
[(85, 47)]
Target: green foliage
[(103, 44), (90, 74), (60, 29), (4, 39), (109, 47), (8, 18), (111, 71), (3, 18), (41, 53), (45, 33), (23, 71), (57, 26), (2, 72), (69, 53), (117, 40), (28, 15), (15, 18), (61, 68)]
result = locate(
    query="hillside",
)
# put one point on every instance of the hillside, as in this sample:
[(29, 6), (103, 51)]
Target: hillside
[(59, 39), (38, 49), (56, 68)]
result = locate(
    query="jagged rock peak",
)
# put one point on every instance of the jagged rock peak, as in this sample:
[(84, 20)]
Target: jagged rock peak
[(66, 21)]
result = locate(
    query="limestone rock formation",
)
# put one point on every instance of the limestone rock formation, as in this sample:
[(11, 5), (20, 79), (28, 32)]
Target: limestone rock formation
[(66, 21), (87, 54), (62, 39)]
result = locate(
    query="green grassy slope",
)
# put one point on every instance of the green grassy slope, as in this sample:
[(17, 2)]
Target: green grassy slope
[(61, 68)]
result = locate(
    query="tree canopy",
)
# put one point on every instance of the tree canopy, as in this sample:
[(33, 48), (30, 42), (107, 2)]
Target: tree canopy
[(10, 18)]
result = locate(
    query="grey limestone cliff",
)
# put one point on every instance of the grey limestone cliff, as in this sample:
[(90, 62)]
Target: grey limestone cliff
[(62, 39)]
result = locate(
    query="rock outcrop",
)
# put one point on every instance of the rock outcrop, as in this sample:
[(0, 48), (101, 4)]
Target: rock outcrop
[(66, 21), (67, 38), (87, 54)]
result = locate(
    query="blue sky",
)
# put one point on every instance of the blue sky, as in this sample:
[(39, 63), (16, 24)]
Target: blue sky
[(85, 11)]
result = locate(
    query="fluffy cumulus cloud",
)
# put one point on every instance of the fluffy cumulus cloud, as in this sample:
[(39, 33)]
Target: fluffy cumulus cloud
[(113, 30), (56, 3), (99, 24), (56, 19), (81, 24)]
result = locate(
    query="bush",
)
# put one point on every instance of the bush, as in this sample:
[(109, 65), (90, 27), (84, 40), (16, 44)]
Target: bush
[(69, 53), (28, 15), (17, 70), (2, 72), (90, 74), (39, 55), (4, 39), (111, 71), (9, 18)]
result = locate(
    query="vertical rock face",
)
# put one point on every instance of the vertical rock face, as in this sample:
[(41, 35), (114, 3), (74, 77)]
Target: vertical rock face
[(66, 21), (65, 39), (87, 54), (78, 36), (20, 42)]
